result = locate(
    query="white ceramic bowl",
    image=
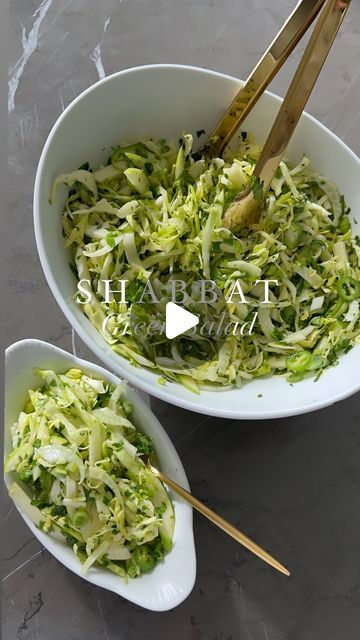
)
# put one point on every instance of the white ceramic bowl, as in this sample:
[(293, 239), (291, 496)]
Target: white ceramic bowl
[(172, 580), (163, 101)]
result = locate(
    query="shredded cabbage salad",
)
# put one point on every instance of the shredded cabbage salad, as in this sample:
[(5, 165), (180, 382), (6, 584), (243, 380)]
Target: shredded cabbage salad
[(154, 211), (79, 454)]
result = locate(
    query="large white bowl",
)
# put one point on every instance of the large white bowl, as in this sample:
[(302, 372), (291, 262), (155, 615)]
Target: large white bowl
[(171, 581), (163, 101)]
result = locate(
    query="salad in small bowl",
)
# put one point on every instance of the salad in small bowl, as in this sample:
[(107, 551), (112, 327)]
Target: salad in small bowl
[(75, 437)]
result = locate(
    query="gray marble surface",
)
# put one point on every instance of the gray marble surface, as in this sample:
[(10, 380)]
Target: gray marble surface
[(294, 484)]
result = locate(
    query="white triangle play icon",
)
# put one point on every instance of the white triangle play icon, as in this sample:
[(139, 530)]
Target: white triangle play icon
[(178, 320)]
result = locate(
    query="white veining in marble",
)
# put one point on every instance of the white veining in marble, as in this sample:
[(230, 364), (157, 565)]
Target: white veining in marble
[(103, 619), (22, 565), (29, 43), (95, 55)]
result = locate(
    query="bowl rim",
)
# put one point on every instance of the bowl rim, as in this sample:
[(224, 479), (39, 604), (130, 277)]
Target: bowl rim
[(131, 373), (186, 510)]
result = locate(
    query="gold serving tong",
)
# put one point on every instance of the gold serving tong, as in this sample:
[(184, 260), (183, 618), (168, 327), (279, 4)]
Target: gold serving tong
[(216, 519), (247, 204)]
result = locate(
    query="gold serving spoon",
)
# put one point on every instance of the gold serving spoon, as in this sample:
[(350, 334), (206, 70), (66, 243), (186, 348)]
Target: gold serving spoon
[(247, 205), (216, 519)]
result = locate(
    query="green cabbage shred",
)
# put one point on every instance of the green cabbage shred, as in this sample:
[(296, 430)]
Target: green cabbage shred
[(80, 476), (155, 211)]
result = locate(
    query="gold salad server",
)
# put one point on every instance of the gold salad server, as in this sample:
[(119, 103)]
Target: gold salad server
[(216, 519), (247, 204)]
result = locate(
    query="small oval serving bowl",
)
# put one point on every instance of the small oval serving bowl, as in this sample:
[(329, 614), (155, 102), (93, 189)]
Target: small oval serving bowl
[(163, 101), (171, 580)]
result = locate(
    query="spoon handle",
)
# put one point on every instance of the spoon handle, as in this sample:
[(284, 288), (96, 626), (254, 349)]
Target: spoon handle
[(303, 82), (222, 523), (268, 66)]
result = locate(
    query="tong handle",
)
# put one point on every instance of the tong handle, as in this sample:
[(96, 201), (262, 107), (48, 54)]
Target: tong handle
[(268, 66), (311, 63)]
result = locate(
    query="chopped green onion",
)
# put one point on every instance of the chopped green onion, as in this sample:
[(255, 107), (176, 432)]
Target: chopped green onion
[(288, 314), (80, 518), (299, 362), (293, 235), (316, 247), (348, 288), (344, 224), (26, 475), (144, 558), (132, 568)]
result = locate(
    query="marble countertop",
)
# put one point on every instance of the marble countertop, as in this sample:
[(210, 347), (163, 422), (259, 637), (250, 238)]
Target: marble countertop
[(292, 484)]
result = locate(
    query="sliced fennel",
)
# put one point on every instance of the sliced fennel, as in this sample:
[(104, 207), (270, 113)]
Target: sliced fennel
[(154, 211), (77, 456)]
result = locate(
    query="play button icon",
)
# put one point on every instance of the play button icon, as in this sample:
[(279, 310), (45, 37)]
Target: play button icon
[(178, 320)]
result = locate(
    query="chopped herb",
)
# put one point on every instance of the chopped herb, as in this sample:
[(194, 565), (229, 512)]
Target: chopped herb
[(70, 539), (248, 158), (149, 167), (143, 444), (160, 510), (58, 510), (277, 335), (84, 167), (345, 210)]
